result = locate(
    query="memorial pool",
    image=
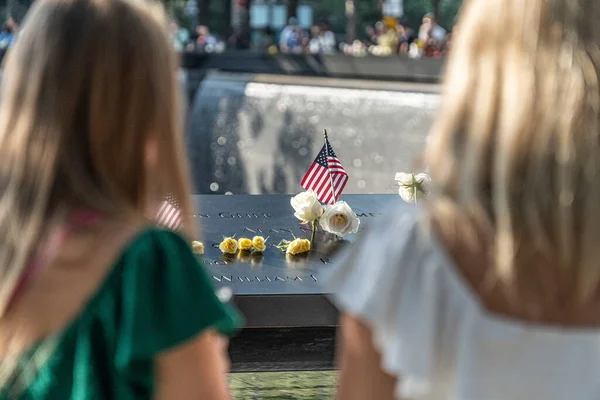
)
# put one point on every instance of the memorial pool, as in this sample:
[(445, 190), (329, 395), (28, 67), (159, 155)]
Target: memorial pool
[(250, 136)]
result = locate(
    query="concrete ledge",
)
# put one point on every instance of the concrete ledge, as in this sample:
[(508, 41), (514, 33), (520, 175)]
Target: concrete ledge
[(317, 81), (394, 68)]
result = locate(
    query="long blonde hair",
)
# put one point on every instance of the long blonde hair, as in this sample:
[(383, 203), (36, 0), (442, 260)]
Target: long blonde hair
[(88, 84), (517, 143)]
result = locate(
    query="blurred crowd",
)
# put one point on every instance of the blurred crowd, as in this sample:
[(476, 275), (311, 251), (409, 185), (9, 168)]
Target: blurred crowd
[(201, 40), (381, 39), (294, 39), (391, 38), (384, 38)]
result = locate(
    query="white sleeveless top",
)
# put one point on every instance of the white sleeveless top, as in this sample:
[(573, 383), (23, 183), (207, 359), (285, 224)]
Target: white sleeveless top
[(433, 332)]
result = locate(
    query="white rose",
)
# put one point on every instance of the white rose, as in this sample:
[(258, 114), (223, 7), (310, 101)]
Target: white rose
[(424, 179), (407, 194), (412, 187), (198, 247), (403, 177), (307, 206), (339, 219)]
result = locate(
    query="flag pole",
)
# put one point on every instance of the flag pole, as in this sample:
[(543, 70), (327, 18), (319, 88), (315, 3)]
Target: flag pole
[(329, 170)]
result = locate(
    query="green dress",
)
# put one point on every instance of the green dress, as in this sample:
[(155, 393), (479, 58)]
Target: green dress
[(156, 297)]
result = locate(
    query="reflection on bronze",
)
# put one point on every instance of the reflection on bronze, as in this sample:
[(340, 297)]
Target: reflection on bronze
[(297, 261), (244, 256), (228, 258), (328, 243), (257, 259)]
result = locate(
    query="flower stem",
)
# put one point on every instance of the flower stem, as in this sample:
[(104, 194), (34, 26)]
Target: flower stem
[(312, 234)]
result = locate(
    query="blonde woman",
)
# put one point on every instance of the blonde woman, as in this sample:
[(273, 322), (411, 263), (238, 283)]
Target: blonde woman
[(96, 303), (491, 290)]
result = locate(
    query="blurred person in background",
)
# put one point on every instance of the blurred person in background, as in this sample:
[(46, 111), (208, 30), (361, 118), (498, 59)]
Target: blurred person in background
[(438, 33), (388, 41), (328, 40), (432, 36), (489, 288), (8, 34), (314, 46), (180, 36), (293, 43), (322, 40), (425, 29), (379, 28), (437, 41), (405, 37), (205, 38), (371, 35), (304, 40), (95, 301), (288, 35)]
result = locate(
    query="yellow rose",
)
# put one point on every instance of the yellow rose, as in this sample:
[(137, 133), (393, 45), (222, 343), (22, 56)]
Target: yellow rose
[(245, 244), (198, 247), (298, 246), (228, 246), (258, 242)]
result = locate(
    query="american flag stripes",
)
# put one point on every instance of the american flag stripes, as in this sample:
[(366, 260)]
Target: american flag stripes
[(168, 215), (326, 176)]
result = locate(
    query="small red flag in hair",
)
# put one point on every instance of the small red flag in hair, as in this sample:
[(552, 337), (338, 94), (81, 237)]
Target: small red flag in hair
[(169, 215)]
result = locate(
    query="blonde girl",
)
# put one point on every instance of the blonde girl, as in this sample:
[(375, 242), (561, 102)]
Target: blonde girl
[(491, 290), (95, 302)]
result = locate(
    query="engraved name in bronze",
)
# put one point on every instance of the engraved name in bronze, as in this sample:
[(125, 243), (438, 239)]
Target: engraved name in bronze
[(260, 215), (271, 278)]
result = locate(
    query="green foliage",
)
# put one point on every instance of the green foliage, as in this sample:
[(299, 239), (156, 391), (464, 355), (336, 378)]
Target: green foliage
[(448, 12), (176, 10), (15, 8), (414, 10), (220, 19), (334, 11), (218, 15), (368, 13)]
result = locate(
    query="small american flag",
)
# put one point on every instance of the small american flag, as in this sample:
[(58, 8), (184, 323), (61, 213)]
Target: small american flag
[(168, 215), (326, 176)]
